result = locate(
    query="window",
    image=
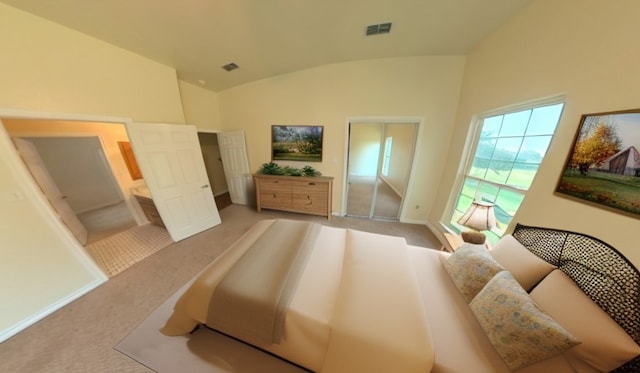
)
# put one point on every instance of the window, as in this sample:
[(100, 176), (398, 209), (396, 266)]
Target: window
[(507, 154), (387, 156)]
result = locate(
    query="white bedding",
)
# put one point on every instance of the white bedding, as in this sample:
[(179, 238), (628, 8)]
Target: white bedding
[(366, 301), (325, 330), (306, 331)]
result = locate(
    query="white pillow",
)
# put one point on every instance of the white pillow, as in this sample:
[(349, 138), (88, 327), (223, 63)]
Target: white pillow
[(605, 345), (526, 267)]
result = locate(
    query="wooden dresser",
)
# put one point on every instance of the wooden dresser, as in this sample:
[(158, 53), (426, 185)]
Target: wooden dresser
[(307, 195)]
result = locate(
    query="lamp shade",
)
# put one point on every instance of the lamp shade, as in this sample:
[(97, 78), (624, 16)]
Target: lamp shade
[(480, 216)]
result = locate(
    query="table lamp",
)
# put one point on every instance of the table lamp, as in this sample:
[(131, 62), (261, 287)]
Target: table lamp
[(479, 217)]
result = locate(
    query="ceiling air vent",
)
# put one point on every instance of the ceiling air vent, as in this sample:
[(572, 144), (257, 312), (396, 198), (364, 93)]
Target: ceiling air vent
[(382, 28), (230, 66)]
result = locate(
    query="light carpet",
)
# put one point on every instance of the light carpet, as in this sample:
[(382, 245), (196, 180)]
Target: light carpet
[(202, 351), (122, 250), (360, 196)]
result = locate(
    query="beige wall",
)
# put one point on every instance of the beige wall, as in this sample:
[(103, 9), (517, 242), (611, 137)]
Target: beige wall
[(426, 87), (200, 106), (586, 49), (37, 269), (48, 68)]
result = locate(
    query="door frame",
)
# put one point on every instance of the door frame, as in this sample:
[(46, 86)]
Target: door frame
[(33, 190), (419, 121), (201, 131)]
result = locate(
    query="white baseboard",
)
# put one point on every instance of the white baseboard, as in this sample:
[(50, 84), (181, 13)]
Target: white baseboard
[(414, 221), (34, 318)]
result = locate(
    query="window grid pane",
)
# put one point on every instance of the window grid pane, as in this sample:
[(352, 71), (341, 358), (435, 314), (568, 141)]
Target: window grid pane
[(508, 154)]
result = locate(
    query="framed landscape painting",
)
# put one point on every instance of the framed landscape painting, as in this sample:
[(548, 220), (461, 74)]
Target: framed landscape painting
[(296, 143), (603, 167)]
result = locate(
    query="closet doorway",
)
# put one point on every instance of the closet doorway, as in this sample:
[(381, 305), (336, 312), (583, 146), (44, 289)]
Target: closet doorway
[(215, 169), (379, 162)]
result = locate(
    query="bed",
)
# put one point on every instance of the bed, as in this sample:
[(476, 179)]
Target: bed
[(369, 302)]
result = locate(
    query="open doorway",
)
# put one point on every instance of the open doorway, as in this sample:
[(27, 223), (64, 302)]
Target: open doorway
[(85, 164), (215, 169), (76, 150), (79, 168), (85, 177), (379, 163)]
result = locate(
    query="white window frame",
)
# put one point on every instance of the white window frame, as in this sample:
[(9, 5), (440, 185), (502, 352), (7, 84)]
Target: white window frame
[(469, 152)]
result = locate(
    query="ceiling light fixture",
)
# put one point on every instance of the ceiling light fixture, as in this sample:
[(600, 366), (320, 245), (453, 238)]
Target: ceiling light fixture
[(230, 66), (382, 28)]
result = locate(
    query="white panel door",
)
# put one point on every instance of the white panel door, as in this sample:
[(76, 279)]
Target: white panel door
[(171, 162), (57, 200), (233, 152)]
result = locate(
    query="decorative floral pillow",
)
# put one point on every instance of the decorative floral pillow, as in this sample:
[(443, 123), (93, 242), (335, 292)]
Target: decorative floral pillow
[(521, 333), (470, 268)]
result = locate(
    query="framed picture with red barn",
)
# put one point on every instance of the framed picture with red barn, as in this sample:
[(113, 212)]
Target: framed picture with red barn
[(603, 167)]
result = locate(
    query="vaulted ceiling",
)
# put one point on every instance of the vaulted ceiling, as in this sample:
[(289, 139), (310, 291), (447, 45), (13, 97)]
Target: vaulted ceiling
[(266, 38)]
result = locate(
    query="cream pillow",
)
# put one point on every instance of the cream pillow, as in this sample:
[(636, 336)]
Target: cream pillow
[(605, 345), (527, 268), (470, 268), (521, 333)]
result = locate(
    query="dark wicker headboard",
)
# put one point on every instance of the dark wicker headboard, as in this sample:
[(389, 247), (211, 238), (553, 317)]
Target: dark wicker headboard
[(600, 270)]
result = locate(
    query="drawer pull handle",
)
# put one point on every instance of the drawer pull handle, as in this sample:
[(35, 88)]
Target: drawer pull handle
[(312, 183)]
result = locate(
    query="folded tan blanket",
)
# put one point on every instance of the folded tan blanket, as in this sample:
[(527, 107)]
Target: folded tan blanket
[(252, 298)]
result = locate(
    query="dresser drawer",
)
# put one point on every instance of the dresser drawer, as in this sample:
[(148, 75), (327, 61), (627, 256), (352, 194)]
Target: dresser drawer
[(309, 187), (311, 203), (275, 200), (274, 186)]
